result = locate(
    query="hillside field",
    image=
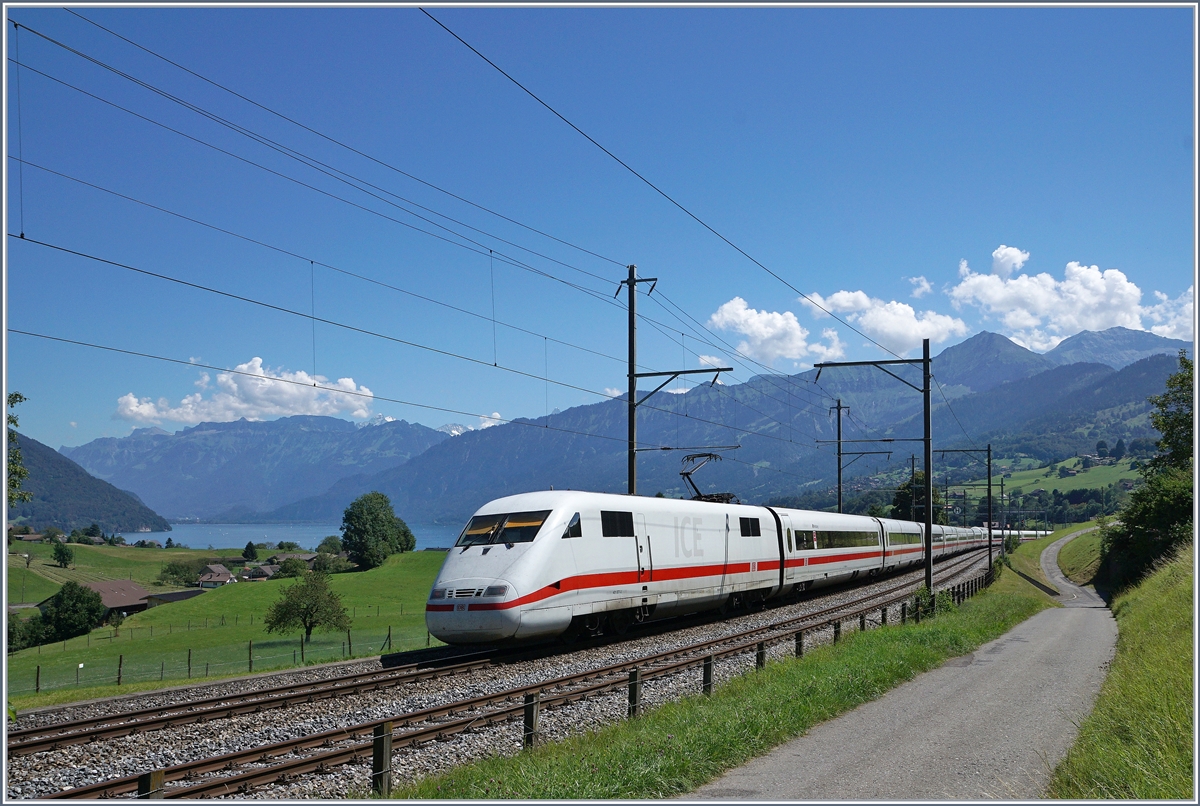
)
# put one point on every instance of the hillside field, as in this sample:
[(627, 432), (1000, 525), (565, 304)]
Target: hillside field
[(218, 627), (1032, 479)]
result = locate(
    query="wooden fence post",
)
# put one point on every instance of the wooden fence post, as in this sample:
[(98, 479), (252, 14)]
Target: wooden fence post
[(349, 642), (250, 652), (760, 655), (37, 686), (381, 761), (150, 785), (389, 638), (904, 612), (799, 643), (635, 692), (120, 664), (533, 707), (708, 674), (837, 631), (883, 615), (862, 621), (189, 664)]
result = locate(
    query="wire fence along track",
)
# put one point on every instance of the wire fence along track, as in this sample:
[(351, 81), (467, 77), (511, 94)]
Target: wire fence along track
[(578, 686)]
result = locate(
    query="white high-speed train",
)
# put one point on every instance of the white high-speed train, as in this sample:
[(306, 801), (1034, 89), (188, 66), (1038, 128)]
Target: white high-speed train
[(538, 565)]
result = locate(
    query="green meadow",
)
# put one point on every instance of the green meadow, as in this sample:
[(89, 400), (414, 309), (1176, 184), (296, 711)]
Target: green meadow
[(1032, 479), (223, 630)]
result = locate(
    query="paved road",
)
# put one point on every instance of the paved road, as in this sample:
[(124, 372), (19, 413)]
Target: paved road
[(988, 725)]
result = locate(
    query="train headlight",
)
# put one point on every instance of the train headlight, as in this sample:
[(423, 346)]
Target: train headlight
[(496, 590), (438, 593)]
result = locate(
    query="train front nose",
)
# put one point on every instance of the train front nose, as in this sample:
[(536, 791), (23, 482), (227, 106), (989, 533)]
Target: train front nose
[(472, 611)]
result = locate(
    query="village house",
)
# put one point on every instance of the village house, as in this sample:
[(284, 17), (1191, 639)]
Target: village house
[(214, 576), (156, 599), (261, 573)]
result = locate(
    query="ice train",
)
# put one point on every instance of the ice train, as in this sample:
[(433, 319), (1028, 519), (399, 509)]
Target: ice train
[(559, 563)]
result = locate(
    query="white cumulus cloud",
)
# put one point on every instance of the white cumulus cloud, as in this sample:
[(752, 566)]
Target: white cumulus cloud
[(487, 422), (921, 286), (770, 335), (1039, 311), (613, 391), (1173, 318), (1006, 259), (257, 394), (895, 325)]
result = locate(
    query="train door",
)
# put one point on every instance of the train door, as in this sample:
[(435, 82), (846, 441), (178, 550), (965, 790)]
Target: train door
[(645, 560), (789, 558)]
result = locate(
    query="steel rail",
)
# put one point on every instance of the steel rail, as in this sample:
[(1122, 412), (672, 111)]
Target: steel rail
[(743, 641)]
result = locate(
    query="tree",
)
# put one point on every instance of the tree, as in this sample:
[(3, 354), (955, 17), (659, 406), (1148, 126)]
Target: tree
[(1158, 517), (64, 555), (250, 552), (292, 567), (1118, 451), (170, 543), (288, 545), (1172, 417), (371, 531), (407, 540), (1102, 449), (16, 467), (73, 611), (903, 502), (330, 545), (308, 604), (94, 530), (331, 563)]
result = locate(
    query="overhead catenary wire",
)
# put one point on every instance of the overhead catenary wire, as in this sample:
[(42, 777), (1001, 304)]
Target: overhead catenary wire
[(283, 149), (303, 159), (340, 270), (654, 187), (312, 261), (308, 160), (348, 147), (355, 329), (369, 395), (603, 297)]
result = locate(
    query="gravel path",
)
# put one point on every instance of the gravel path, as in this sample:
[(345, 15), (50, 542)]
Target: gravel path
[(52, 771), (991, 724)]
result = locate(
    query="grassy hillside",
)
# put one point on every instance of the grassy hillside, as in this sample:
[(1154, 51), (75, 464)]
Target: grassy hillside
[(26, 585), (94, 563), (1032, 479), (1080, 559), (1138, 741), (218, 627)]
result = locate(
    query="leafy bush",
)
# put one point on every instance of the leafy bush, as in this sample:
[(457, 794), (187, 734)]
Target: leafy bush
[(330, 545), (73, 611), (292, 567), (331, 563)]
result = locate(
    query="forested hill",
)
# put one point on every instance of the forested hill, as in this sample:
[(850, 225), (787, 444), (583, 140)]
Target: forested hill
[(68, 497)]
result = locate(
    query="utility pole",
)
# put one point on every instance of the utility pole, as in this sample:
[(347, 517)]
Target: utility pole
[(924, 389), (633, 402), (1003, 514), (989, 469), (839, 408)]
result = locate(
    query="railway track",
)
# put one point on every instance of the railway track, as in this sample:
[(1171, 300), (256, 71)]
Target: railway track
[(345, 745)]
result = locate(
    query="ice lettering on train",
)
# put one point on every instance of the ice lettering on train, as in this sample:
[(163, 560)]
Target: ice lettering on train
[(681, 537)]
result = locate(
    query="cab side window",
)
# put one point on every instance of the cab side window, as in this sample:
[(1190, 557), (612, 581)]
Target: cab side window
[(574, 528), (616, 524)]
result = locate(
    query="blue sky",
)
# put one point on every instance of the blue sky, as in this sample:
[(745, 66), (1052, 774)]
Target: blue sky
[(920, 172)]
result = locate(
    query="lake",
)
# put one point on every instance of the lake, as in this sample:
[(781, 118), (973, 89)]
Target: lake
[(308, 535)]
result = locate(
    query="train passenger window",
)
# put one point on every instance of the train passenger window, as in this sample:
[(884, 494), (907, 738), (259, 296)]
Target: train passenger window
[(518, 527), (750, 527), (574, 528), (616, 524), (903, 538), (844, 540), (521, 527)]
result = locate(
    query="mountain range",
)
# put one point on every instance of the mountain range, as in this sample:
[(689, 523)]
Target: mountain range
[(309, 468), (68, 497)]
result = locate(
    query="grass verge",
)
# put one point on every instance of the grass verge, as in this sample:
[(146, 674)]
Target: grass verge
[(1137, 742), (684, 744), (1080, 559), (216, 630)]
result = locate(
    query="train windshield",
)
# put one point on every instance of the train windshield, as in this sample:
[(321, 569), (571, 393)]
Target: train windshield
[(516, 527)]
